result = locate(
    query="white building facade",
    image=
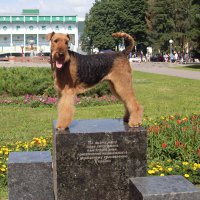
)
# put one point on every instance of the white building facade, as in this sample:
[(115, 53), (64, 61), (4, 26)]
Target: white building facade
[(23, 32)]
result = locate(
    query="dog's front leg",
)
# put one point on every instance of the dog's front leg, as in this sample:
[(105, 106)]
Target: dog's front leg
[(65, 110)]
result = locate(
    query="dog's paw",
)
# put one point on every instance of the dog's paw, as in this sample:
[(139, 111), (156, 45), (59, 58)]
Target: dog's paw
[(61, 129), (134, 125)]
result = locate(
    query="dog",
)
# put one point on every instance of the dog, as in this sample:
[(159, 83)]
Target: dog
[(75, 73)]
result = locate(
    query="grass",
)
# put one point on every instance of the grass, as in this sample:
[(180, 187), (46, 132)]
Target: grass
[(159, 94), (195, 67)]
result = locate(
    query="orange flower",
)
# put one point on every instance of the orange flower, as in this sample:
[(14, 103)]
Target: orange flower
[(178, 121), (164, 145), (177, 143), (184, 128), (185, 119)]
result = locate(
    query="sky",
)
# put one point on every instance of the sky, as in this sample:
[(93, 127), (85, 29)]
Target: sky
[(47, 7)]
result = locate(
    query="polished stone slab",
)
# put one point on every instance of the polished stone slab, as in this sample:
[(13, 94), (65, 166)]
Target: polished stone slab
[(30, 176), (94, 159), (171, 187)]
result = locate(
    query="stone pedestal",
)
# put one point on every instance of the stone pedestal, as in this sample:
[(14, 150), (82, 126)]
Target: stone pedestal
[(94, 159), (162, 188), (30, 176)]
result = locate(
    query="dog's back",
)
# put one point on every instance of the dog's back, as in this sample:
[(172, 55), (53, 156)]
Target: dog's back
[(93, 68)]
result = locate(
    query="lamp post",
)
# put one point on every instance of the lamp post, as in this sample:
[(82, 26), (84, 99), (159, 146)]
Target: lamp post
[(170, 43), (22, 47), (31, 43)]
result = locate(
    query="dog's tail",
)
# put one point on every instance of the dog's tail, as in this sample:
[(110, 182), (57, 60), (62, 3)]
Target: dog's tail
[(130, 40)]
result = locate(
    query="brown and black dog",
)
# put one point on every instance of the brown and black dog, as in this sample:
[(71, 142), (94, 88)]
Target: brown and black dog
[(75, 73)]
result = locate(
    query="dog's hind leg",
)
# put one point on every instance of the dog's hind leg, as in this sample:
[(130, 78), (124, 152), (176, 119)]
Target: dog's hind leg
[(126, 115), (65, 110), (122, 85)]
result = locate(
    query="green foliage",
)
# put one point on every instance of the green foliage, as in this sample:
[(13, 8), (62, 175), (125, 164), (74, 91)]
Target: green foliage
[(22, 80), (109, 16), (36, 81), (173, 19)]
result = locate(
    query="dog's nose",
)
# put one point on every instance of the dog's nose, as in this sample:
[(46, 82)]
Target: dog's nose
[(61, 54)]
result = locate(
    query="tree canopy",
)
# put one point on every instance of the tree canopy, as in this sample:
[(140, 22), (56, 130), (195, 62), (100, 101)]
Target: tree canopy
[(150, 22)]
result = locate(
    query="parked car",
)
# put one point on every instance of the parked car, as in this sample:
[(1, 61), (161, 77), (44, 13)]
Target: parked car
[(157, 58)]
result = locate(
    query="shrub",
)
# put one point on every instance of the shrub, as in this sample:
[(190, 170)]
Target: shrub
[(36, 81)]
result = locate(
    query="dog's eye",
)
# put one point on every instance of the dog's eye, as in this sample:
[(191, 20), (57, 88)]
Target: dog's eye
[(56, 41)]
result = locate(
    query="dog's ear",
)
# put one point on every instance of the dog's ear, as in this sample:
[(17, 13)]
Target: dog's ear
[(49, 36), (68, 36)]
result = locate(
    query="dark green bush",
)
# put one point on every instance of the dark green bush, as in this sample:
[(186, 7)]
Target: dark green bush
[(17, 81)]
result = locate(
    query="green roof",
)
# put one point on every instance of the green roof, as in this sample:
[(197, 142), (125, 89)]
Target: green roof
[(30, 12)]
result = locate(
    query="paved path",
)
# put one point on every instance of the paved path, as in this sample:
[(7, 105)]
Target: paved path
[(166, 69), (151, 67)]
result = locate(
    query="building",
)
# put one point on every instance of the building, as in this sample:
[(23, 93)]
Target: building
[(22, 33)]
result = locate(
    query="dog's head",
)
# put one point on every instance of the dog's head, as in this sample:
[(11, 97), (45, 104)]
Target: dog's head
[(59, 48)]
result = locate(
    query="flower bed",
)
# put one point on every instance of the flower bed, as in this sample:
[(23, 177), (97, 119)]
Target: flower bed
[(173, 147), (36, 101)]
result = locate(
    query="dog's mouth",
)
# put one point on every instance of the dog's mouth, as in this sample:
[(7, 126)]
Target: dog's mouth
[(59, 62)]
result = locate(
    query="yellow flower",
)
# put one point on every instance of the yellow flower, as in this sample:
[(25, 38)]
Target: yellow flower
[(151, 172), (1, 152), (186, 175), (194, 168), (162, 174), (169, 169), (169, 161), (160, 168), (198, 165), (195, 165), (185, 163), (3, 169)]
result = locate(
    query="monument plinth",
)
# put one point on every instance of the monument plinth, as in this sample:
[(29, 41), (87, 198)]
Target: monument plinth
[(94, 159)]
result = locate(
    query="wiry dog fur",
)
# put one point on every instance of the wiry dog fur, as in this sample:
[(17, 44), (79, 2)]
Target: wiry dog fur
[(75, 73)]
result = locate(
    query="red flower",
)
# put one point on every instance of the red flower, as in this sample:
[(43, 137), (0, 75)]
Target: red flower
[(184, 128), (164, 145), (178, 121), (177, 143), (183, 145), (199, 152), (156, 129)]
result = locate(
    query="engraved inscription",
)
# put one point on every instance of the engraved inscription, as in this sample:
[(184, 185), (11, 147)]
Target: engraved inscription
[(102, 152)]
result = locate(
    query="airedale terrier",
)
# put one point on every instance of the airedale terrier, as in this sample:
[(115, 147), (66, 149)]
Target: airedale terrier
[(75, 73)]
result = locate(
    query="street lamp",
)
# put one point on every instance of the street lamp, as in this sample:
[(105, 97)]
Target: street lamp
[(170, 43), (22, 47), (31, 43)]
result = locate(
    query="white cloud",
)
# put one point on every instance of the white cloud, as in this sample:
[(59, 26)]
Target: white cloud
[(48, 7)]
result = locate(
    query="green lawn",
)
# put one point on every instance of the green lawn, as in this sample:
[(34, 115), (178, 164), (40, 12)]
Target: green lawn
[(195, 67), (160, 96)]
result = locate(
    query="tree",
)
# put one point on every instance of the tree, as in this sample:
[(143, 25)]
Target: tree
[(109, 16), (170, 19), (194, 32)]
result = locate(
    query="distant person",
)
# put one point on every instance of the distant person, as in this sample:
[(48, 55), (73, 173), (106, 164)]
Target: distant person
[(166, 56), (176, 56), (141, 55)]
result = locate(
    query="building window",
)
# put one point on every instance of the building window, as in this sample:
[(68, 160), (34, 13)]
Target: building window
[(44, 28), (57, 28), (17, 28), (69, 28), (31, 28), (4, 28)]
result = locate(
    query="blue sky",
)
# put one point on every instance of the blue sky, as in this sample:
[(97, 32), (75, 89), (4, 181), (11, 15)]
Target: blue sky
[(47, 7)]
